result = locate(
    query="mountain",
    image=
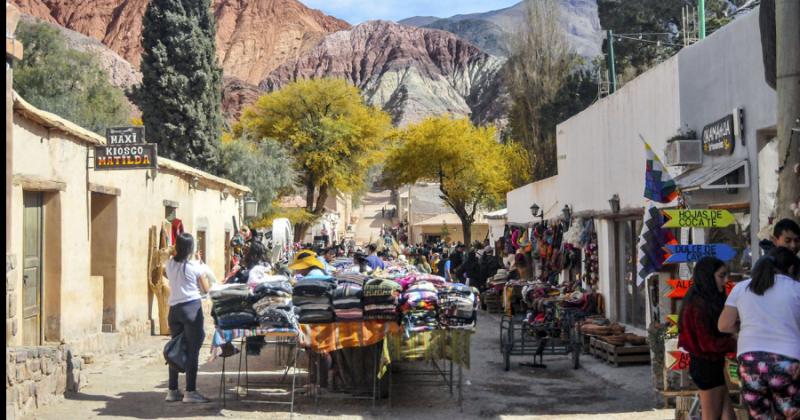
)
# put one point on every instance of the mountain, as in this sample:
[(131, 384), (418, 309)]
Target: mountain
[(491, 30), (409, 72), (253, 36)]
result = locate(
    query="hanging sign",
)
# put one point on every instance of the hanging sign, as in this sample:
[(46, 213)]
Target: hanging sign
[(718, 137), (136, 156), (678, 360), (124, 135), (673, 324), (694, 253), (125, 148), (698, 218)]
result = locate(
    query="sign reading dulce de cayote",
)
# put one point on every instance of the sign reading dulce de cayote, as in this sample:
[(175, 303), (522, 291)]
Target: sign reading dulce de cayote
[(125, 149)]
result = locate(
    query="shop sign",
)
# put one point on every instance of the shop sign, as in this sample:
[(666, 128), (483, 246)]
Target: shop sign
[(694, 253), (679, 360), (135, 156), (116, 136), (718, 137), (673, 324), (698, 218)]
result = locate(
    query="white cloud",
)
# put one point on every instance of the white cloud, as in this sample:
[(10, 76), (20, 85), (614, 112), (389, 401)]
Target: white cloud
[(357, 11)]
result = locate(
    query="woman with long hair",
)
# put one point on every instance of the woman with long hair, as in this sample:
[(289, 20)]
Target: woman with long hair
[(766, 312), (422, 264), (187, 282), (706, 345), (256, 254)]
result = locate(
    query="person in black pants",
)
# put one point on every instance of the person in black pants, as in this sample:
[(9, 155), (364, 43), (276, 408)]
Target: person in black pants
[(187, 280)]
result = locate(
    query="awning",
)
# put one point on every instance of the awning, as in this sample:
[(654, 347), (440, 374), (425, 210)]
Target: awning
[(734, 173), (498, 214)]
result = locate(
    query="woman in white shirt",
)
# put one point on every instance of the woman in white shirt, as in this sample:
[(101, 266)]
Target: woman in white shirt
[(187, 283), (766, 312)]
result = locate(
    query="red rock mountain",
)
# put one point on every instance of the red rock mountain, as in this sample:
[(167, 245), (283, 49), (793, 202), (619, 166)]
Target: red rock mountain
[(253, 36), (409, 72)]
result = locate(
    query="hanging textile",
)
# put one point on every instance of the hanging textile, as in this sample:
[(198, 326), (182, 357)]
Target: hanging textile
[(177, 229), (652, 243), (659, 185)]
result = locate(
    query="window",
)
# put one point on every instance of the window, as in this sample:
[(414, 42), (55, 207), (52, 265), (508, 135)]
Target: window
[(631, 299)]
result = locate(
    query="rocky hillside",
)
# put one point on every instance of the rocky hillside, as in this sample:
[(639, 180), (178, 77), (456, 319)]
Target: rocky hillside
[(491, 30), (253, 37), (410, 72)]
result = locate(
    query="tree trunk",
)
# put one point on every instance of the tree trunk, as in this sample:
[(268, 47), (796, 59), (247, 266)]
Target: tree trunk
[(300, 231), (466, 228), (787, 23)]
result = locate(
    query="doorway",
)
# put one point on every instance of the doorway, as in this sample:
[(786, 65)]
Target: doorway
[(104, 254), (33, 230)]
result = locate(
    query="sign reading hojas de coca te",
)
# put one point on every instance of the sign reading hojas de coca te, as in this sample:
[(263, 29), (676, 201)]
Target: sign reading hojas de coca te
[(125, 148)]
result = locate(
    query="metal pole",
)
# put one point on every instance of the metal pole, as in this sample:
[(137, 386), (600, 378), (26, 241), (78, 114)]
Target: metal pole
[(701, 17), (612, 71)]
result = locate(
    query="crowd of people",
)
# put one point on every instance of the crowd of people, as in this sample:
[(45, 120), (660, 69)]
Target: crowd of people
[(759, 321)]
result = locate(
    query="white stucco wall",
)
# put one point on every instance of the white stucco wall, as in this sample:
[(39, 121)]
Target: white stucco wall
[(544, 193), (599, 150)]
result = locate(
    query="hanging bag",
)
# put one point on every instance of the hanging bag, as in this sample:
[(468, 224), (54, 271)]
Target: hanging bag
[(175, 353)]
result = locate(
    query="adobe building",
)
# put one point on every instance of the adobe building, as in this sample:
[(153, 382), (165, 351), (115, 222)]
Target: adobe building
[(78, 245)]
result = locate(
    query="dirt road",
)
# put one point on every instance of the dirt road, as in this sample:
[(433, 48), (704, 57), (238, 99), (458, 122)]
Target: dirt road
[(133, 386), (370, 218)]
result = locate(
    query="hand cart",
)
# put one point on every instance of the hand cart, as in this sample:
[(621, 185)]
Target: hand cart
[(555, 336)]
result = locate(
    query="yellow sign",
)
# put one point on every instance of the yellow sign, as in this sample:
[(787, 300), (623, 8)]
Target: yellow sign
[(698, 218), (673, 324)]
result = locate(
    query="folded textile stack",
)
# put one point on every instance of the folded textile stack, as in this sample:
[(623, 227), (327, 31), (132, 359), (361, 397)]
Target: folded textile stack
[(274, 307), (418, 307), (457, 306), (231, 306), (438, 282), (312, 296), (347, 302), (380, 297)]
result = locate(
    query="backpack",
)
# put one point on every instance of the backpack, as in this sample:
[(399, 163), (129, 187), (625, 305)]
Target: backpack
[(175, 353)]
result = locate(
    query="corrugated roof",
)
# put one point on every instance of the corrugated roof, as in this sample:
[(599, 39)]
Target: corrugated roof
[(701, 177), (53, 121)]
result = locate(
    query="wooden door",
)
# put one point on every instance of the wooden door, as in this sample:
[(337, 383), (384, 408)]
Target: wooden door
[(32, 269)]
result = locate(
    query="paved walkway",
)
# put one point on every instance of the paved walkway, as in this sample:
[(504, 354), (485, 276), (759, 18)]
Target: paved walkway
[(370, 219), (133, 387)]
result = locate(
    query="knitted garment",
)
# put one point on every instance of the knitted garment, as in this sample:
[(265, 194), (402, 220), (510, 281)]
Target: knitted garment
[(236, 320)]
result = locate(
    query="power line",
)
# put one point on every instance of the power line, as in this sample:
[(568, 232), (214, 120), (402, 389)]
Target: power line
[(647, 41)]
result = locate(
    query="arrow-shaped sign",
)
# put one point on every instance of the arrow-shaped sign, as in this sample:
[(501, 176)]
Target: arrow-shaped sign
[(679, 360), (679, 288), (698, 218), (673, 324), (694, 253)]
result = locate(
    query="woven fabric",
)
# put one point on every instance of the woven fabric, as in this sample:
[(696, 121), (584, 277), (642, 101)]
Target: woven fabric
[(427, 346)]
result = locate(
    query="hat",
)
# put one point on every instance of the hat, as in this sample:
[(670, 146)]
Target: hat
[(306, 259)]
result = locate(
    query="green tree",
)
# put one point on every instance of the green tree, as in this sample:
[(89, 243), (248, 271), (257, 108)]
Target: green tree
[(66, 82), (264, 166), (332, 136), (180, 94), (473, 170)]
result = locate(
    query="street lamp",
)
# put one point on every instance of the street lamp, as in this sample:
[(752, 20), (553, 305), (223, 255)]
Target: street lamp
[(250, 207), (614, 202), (536, 212)]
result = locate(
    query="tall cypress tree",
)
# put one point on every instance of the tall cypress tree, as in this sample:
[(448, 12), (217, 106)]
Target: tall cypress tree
[(180, 94)]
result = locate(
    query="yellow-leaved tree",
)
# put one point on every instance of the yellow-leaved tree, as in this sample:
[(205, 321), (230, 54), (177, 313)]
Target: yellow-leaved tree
[(473, 170), (332, 135)]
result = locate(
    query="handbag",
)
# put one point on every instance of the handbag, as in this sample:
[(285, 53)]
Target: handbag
[(175, 353)]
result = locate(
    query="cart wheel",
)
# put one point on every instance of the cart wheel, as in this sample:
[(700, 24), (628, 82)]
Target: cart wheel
[(576, 357), (502, 334), (507, 359)]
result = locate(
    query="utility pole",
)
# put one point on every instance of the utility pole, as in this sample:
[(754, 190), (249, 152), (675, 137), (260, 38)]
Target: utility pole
[(787, 26), (701, 18), (612, 71)]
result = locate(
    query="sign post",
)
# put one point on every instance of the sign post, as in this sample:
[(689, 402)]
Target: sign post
[(125, 148)]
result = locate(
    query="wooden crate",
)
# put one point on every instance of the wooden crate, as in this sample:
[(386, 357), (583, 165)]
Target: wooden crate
[(617, 355)]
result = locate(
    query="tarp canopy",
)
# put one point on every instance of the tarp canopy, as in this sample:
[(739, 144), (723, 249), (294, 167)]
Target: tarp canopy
[(734, 173)]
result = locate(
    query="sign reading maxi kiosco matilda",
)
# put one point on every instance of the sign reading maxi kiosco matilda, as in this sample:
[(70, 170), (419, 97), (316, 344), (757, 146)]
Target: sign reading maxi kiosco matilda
[(125, 149), (718, 137)]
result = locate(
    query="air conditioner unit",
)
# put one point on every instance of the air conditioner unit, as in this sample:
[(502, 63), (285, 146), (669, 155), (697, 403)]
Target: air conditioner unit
[(684, 152)]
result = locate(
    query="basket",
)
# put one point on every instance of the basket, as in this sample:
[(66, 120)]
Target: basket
[(617, 329), (635, 340), (592, 329), (615, 340)]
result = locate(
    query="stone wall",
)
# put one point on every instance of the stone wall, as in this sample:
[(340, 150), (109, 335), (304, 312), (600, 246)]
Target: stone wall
[(36, 376)]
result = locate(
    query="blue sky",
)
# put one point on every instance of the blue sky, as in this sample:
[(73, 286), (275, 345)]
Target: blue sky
[(357, 11)]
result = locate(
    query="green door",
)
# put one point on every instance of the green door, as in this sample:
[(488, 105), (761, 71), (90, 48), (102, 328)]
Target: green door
[(32, 269)]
